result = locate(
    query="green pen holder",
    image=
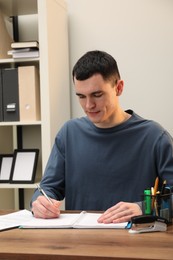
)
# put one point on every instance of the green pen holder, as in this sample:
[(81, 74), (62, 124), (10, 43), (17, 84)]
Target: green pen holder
[(158, 205)]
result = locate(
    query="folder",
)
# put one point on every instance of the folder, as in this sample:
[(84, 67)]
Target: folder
[(1, 98), (10, 94), (29, 93)]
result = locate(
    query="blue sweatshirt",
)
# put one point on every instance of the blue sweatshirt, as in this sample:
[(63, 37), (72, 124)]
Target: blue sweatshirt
[(95, 168)]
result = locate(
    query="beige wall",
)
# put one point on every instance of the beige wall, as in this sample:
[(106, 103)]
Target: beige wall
[(7, 199), (138, 33)]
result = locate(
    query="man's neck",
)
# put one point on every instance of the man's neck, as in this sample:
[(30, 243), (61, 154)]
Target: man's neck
[(120, 118)]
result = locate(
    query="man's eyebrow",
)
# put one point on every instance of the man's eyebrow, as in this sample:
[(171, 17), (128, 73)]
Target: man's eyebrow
[(79, 94), (92, 93)]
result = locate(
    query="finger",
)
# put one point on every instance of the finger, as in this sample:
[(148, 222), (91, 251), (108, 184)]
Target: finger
[(128, 214), (118, 217), (111, 211), (42, 208), (45, 212), (116, 213), (125, 218)]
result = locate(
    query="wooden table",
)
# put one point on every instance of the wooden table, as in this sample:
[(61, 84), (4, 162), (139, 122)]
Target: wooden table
[(77, 244)]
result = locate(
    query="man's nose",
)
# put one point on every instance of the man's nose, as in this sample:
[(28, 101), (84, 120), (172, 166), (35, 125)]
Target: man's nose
[(90, 103)]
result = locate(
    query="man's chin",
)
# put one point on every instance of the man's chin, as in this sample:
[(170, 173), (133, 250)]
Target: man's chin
[(94, 120), (94, 117)]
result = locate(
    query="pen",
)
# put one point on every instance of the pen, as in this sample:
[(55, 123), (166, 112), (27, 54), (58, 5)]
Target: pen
[(156, 184), (154, 191), (43, 193), (153, 197)]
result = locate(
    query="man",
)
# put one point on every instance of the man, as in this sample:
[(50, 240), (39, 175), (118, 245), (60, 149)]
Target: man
[(105, 160)]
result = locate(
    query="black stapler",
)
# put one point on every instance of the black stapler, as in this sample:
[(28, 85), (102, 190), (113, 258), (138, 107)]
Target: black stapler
[(147, 223)]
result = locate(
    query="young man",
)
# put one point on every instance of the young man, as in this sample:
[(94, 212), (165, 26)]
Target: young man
[(105, 160)]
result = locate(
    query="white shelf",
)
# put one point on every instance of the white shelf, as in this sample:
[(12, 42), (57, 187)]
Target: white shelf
[(17, 186), (11, 60), (53, 65), (16, 123)]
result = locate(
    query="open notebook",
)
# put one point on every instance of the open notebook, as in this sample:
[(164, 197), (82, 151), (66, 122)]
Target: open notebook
[(75, 220), (25, 219), (15, 219)]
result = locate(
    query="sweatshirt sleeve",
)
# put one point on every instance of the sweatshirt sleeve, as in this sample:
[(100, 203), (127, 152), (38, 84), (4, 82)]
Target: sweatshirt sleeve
[(165, 158), (53, 181)]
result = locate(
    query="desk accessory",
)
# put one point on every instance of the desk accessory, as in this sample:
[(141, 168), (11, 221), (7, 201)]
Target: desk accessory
[(147, 201), (158, 202), (147, 223)]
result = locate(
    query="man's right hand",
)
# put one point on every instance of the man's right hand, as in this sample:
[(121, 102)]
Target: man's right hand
[(42, 208)]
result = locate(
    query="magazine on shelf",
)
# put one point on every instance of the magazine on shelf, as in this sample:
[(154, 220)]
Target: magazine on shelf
[(25, 44), (24, 53)]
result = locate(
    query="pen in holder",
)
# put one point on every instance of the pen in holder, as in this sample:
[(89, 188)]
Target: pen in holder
[(158, 205)]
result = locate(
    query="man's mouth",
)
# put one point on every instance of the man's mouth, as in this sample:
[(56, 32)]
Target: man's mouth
[(93, 113)]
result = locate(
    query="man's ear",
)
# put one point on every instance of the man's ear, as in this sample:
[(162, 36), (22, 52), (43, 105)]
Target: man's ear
[(119, 87)]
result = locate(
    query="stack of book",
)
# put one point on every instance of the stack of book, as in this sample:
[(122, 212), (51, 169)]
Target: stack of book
[(25, 49)]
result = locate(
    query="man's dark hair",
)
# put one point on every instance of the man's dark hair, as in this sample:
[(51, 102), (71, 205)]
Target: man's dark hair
[(96, 62)]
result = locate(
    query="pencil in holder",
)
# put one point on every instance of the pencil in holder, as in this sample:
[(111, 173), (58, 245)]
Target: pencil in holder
[(158, 205)]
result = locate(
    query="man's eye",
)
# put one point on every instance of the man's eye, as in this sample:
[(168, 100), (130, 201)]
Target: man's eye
[(80, 96), (98, 94)]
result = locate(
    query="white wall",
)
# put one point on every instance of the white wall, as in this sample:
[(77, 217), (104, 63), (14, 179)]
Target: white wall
[(139, 34)]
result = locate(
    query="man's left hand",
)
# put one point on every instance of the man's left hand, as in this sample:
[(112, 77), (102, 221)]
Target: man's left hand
[(121, 212)]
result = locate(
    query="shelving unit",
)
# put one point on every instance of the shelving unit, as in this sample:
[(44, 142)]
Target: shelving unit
[(53, 66)]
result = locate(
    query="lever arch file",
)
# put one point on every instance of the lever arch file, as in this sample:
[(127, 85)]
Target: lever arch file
[(10, 94), (29, 94)]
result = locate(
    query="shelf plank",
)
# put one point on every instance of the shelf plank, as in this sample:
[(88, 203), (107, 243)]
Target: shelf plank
[(17, 186), (15, 123), (11, 60)]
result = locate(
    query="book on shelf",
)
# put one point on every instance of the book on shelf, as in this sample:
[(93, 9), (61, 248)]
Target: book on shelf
[(11, 52), (25, 44), (27, 53)]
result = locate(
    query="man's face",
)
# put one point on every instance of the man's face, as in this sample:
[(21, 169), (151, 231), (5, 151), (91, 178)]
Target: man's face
[(99, 99)]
